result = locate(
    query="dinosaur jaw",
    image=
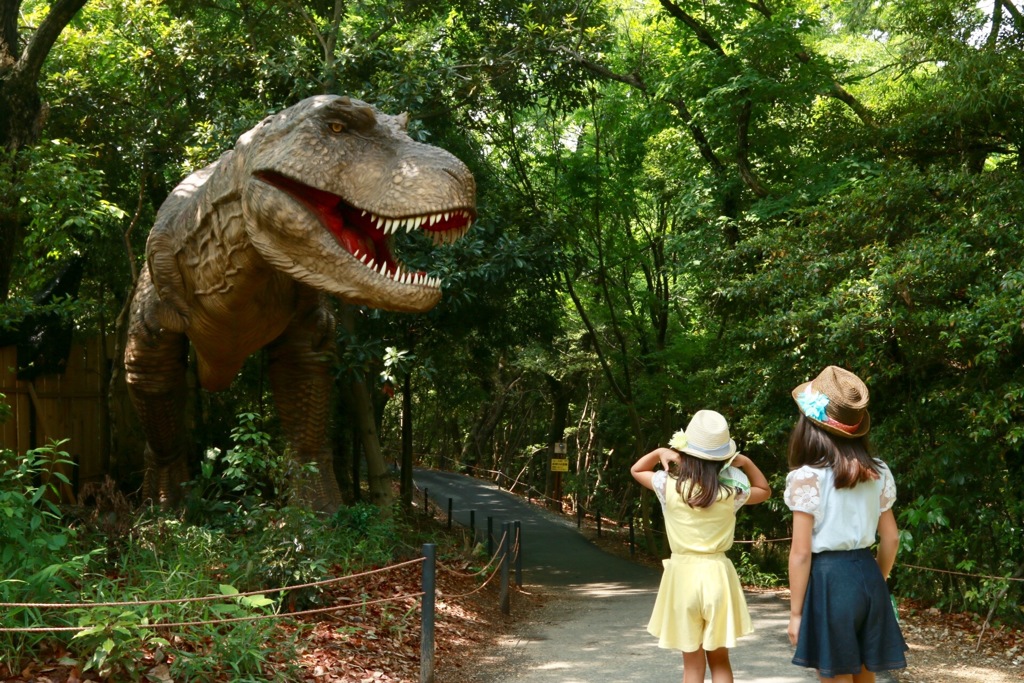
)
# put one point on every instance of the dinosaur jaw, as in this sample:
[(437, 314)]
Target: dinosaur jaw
[(367, 237)]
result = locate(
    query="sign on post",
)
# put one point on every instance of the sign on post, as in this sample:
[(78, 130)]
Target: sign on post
[(559, 463)]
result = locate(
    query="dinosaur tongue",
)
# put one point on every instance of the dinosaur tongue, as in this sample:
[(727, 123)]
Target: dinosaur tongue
[(357, 234), (355, 241)]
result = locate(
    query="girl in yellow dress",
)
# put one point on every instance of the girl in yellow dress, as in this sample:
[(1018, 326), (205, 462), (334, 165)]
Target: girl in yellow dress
[(703, 481)]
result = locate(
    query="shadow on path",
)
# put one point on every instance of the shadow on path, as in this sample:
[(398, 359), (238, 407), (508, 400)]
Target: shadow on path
[(594, 630)]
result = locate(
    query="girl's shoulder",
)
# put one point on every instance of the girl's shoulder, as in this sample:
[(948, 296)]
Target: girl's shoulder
[(808, 472), (805, 487)]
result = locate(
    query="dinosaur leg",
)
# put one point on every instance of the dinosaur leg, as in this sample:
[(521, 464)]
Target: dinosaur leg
[(155, 362), (300, 374)]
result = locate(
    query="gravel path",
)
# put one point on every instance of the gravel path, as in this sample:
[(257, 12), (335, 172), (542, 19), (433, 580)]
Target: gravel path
[(594, 629)]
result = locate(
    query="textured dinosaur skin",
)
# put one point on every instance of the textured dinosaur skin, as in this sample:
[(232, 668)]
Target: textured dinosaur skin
[(244, 253)]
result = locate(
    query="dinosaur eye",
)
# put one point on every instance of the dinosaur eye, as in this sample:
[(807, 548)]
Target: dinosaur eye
[(336, 126)]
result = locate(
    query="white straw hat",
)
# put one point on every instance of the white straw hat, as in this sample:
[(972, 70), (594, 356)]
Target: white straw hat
[(706, 437)]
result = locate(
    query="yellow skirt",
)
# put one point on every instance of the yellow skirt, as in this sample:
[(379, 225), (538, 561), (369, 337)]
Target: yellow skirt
[(700, 604)]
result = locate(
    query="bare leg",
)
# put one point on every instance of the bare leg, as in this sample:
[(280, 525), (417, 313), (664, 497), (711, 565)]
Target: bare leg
[(721, 667), (693, 666), (864, 676)]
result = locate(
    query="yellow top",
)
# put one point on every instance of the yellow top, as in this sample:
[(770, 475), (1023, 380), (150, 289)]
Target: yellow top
[(702, 530)]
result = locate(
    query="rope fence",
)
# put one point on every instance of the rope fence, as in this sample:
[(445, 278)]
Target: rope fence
[(205, 598), (213, 622), (502, 562)]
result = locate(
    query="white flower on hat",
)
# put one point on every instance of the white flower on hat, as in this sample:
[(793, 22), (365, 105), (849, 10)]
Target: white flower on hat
[(678, 441)]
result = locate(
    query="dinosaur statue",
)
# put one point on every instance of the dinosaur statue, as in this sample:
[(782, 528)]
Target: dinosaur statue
[(244, 253)]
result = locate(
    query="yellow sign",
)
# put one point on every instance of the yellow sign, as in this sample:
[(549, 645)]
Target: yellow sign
[(559, 464)]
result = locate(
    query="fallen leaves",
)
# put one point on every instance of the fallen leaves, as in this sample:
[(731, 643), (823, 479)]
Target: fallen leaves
[(944, 648)]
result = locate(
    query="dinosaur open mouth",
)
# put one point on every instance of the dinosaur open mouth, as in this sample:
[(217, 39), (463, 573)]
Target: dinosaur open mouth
[(368, 236)]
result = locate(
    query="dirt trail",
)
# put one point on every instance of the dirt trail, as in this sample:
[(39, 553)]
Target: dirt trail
[(591, 626)]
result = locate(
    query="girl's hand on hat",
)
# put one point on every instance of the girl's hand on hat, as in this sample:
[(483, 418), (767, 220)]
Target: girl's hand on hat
[(668, 457)]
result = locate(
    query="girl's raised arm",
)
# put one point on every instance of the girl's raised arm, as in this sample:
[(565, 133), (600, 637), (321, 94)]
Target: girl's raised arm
[(759, 489), (643, 469)]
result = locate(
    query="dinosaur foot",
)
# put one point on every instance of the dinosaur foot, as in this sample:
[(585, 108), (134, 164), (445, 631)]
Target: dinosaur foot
[(162, 483)]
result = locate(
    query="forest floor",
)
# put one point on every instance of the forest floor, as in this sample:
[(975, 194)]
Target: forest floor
[(380, 642), (943, 647)]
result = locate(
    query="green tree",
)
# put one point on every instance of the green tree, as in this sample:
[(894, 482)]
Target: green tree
[(22, 112)]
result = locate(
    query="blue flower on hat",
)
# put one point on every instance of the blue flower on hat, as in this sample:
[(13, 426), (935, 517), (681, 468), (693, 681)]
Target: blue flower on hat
[(813, 404)]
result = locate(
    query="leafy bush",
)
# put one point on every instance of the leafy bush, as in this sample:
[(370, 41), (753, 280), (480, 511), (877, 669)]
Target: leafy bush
[(34, 562), (251, 540)]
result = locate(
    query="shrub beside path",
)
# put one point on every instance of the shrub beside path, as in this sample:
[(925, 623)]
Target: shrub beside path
[(593, 629)]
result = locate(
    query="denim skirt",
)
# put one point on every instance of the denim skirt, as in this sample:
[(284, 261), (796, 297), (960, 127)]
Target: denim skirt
[(848, 618)]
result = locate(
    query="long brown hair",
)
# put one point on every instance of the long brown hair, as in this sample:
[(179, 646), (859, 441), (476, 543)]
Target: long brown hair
[(703, 474), (850, 459)]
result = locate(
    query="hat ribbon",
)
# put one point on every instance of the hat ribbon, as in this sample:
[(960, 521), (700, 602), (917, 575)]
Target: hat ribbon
[(813, 405)]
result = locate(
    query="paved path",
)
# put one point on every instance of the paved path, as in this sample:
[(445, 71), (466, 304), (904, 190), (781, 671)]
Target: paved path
[(596, 630)]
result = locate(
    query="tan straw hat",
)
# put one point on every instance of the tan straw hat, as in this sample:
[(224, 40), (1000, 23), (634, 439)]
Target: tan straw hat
[(706, 437), (837, 401)]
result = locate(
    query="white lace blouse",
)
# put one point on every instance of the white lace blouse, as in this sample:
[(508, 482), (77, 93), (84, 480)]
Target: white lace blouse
[(844, 519)]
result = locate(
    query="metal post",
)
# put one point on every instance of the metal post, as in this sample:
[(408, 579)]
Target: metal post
[(490, 536), (472, 528), (579, 514), (519, 554), (505, 561), (599, 523), (449, 514), (427, 615), (632, 538)]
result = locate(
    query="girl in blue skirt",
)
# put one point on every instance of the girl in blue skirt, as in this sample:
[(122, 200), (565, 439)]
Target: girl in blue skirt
[(841, 616)]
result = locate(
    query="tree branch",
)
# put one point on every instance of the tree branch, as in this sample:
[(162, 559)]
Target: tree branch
[(835, 89), (1018, 20), (30, 63), (702, 33), (679, 105), (742, 148), (609, 375)]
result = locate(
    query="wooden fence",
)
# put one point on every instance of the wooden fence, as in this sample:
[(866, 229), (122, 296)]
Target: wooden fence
[(69, 406)]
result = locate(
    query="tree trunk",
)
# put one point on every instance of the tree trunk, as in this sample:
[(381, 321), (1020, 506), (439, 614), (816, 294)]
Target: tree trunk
[(560, 394), (483, 432), (406, 487), (377, 475), (360, 403)]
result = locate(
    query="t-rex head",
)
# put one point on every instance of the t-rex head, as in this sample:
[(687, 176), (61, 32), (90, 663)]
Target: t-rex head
[(330, 180)]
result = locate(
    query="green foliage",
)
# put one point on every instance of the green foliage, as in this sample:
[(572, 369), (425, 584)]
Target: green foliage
[(32, 541), (39, 560), (757, 569), (249, 475)]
